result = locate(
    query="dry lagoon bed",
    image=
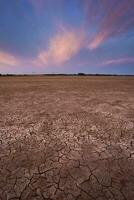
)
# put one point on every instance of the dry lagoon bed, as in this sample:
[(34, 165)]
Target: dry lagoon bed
[(66, 138)]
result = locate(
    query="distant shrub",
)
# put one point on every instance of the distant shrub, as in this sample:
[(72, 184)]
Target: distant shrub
[(81, 74)]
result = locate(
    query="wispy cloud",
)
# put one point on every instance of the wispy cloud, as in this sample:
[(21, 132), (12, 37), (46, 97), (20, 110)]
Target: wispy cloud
[(111, 18), (61, 48), (118, 61), (8, 59)]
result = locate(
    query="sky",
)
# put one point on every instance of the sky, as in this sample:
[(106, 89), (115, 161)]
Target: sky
[(67, 36)]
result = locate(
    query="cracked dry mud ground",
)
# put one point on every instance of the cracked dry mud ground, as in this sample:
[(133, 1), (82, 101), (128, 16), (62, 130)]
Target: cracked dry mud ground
[(67, 138)]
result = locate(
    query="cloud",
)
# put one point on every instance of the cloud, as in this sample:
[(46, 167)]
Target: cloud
[(62, 48), (118, 61), (8, 59), (111, 18)]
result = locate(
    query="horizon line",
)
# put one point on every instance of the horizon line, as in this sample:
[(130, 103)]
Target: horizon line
[(65, 74)]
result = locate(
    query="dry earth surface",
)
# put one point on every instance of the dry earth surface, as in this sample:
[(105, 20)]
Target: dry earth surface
[(66, 138)]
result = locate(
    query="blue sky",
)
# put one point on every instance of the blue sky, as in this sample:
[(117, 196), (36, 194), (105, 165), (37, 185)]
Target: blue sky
[(67, 36)]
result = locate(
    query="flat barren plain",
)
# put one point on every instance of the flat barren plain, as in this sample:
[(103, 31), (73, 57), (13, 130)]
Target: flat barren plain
[(66, 138)]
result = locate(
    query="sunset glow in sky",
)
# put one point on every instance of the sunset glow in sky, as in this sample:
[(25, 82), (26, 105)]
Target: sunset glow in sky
[(67, 36)]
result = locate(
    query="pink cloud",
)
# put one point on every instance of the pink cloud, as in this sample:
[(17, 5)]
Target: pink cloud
[(116, 17), (62, 47), (117, 61), (8, 59)]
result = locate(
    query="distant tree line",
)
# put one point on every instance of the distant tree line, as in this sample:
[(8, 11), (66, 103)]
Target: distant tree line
[(78, 74)]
